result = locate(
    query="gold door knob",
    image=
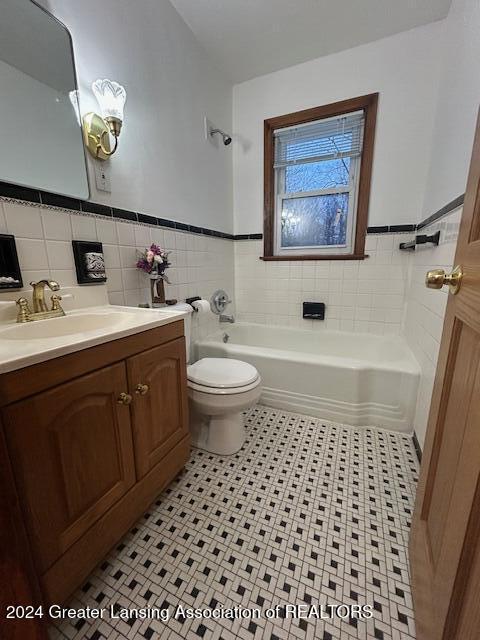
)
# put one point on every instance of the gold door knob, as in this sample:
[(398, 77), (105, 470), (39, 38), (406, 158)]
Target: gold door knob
[(124, 398), (141, 389), (437, 278)]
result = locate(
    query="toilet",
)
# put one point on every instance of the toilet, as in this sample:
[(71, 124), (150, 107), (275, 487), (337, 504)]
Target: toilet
[(219, 390)]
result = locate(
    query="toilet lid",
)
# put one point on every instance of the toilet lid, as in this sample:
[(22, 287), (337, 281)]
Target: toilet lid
[(222, 373)]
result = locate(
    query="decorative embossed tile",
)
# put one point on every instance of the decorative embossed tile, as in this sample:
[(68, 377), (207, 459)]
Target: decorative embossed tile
[(308, 513)]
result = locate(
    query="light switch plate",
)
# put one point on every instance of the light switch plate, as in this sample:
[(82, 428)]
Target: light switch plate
[(102, 177)]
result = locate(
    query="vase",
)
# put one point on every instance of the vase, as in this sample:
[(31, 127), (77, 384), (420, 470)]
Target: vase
[(157, 291)]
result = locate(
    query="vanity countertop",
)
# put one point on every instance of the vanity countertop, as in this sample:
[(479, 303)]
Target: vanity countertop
[(22, 345)]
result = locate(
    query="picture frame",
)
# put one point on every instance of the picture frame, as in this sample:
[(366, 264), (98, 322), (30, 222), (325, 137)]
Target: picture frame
[(10, 273), (89, 259)]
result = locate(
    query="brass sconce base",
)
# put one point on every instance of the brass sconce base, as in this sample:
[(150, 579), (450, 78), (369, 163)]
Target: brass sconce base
[(96, 136)]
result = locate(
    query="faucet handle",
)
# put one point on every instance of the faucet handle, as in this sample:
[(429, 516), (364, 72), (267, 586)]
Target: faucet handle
[(55, 300), (56, 306), (23, 310)]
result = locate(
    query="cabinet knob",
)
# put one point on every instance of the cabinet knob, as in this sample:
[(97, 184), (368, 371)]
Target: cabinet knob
[(142, 389), (124, 398)]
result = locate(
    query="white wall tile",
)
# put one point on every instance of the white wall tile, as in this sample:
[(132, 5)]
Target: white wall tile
[(32, 255), (83, 228), (142, 235), (425, 309), (125, 233), (128, 256), (60, 254), (106, 231), (211, 259), (116, 297), (64, 277), (56, 225), (23, 222), (111, 254), (379, 290)]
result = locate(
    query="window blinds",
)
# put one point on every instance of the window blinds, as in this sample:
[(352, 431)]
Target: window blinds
[(327, 139)]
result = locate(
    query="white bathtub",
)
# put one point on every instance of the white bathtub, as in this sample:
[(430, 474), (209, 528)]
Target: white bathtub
[(356, 379)]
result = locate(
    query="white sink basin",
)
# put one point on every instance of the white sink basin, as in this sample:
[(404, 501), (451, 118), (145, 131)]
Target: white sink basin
[(65, 326), (25, 344)]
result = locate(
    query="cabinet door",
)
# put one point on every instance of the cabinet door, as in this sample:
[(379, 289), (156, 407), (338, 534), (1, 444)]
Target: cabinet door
[(72, 456), (160, 415)]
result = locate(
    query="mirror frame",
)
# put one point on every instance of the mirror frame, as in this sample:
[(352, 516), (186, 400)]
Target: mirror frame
[(80, 133)]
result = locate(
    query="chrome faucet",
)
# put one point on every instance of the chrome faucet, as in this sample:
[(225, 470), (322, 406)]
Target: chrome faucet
[(40, 311), (225, 318)]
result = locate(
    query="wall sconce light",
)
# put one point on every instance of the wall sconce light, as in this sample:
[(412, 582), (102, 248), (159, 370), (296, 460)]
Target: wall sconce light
[(111, 98)]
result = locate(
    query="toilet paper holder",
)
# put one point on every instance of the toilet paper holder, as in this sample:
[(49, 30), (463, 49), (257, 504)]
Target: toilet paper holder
[(191, 300)]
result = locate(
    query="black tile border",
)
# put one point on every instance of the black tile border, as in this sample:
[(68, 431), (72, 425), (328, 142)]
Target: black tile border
[(448, 208), (249, 236), (405, 228), (124, 214), (418, 448), (26, 194), (99, 209), (54, 200), (384, 229), (19, 193)]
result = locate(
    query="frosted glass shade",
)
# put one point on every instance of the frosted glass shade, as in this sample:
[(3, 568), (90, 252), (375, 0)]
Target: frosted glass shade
[(111, 97), (73, 95)]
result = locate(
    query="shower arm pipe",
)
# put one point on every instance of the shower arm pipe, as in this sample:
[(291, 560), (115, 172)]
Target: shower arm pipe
[(226, 138)]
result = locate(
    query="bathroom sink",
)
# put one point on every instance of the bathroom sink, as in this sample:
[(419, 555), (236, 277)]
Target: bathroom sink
[(23, 344), (74, 324)]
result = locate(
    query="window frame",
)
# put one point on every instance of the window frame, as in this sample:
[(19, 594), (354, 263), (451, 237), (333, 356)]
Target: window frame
[(368, 104)]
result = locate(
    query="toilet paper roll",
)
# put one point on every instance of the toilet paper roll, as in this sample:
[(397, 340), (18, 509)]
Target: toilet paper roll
[(202, 306)]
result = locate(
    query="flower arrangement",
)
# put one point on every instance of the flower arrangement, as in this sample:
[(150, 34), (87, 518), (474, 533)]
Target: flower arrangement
[(154, 261)]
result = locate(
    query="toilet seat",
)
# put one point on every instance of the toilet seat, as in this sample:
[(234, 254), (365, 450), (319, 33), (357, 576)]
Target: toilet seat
[(230, 391), (222, 376)]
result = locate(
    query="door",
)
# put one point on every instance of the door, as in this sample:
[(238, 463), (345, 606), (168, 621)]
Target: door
[(445, 539), (158, 378), (71, 454)]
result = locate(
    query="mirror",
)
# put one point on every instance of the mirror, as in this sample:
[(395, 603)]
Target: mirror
[(41, 140)]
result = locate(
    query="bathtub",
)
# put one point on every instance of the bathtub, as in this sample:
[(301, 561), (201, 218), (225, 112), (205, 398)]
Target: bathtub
[(355, 379)]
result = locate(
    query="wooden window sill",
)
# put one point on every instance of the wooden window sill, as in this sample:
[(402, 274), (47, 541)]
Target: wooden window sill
[(346, 256)]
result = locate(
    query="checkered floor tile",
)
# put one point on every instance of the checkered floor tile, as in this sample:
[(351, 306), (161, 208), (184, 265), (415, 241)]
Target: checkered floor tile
[(309, 512)]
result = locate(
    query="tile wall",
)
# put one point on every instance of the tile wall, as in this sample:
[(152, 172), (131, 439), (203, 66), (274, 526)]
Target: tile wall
[(425, 309), (384, 294), (361, 296), (44, 235)]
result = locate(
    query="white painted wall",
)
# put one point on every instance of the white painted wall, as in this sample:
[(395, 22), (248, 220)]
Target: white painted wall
[(403, 68), (164, 166), (457, 106)]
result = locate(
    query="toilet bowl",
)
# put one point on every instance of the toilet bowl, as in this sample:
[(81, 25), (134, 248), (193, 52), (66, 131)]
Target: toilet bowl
[(219, 390)]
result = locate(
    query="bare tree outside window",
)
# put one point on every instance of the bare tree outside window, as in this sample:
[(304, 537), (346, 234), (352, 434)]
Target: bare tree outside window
[(317, 180)]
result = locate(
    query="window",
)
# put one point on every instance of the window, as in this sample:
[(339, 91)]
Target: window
[(317, 181)]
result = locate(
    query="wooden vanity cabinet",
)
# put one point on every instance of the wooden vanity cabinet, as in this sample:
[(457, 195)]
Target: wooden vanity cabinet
[(71, 451), (159, 411), (86, 466)]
